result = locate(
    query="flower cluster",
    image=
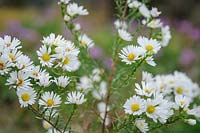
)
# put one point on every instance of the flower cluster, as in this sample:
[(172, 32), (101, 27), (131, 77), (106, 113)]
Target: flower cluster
[(65, 75), (162, 97)]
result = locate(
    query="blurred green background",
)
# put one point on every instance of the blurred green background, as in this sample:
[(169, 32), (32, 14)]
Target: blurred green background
[(29, 20)]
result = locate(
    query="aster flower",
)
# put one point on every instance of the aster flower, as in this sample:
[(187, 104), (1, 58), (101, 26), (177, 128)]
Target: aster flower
[(134, 3), (10, 43), (62, 81), (44, 79), (26, 97), (120, 24), (73, 9), (125, 35), (24, 63), (85, 84), (50, 100), (182, 101), (45, 57), (142, 125), (166, 35), (101, 92), (19, 80), (5, 65), (134, 105), (52, 39), (85, 41), (154, 12), (150, 45), (75, 98), (155, 23), (131, 53)]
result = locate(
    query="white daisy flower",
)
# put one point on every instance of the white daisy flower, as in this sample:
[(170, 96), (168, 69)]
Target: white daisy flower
[(50, 100), (142, 125), (67, 47), (125, 35), (147, 77), (5, 65), (10, 43), (134, 105), (131, 53), (75, 98), (85, 84), (182, 101), (151, 107), (144, 11), (150, 45), (166, 35), (150, 61), (14, 55), (62, 81), (147, 89), (73, 9), (70, 63), (52, 39), (85, 41), (36, 72), (155, 23), (100, 93), (24, 63), (26, 97), (44, 79), (19, 80), (120, 24), (45, 57), (154, 12), (133, 3)]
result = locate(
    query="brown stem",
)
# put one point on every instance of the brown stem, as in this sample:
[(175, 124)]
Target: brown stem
[(111, 78)]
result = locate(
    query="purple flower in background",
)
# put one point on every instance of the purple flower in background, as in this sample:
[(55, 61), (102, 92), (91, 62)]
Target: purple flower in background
[(108, 63), (188, 56), (96, 52)]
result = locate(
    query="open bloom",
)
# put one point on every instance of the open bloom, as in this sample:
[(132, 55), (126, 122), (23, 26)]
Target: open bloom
[(26, 97), (182, 101), (85, 41), (75, 98), (131, 53), (50, 100), (150, 45), (19, 80), (73, 9), (134, 105), (62, 81), (142, 125), (5, 64), (10, 43), (45, 57), (52, 39), (125, 35)]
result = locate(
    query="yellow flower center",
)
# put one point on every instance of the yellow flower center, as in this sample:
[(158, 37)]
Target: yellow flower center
[(25, 97), (46, 57), (2, 65), (83, 43), (66, 60), (35, 74), (149, 47), (131, 57), (20, 82), (147, 90), (135, 107), (179, 90), (150, 109), (12, 57), (50, 102), (182, 102)]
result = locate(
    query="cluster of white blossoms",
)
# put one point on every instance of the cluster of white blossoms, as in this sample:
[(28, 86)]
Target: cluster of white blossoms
[(145, 47), (159, 97), (55, 85)]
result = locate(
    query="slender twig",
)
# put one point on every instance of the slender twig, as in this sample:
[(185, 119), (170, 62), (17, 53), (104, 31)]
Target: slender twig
[(37, 113), (111, 77), (70, 117)]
